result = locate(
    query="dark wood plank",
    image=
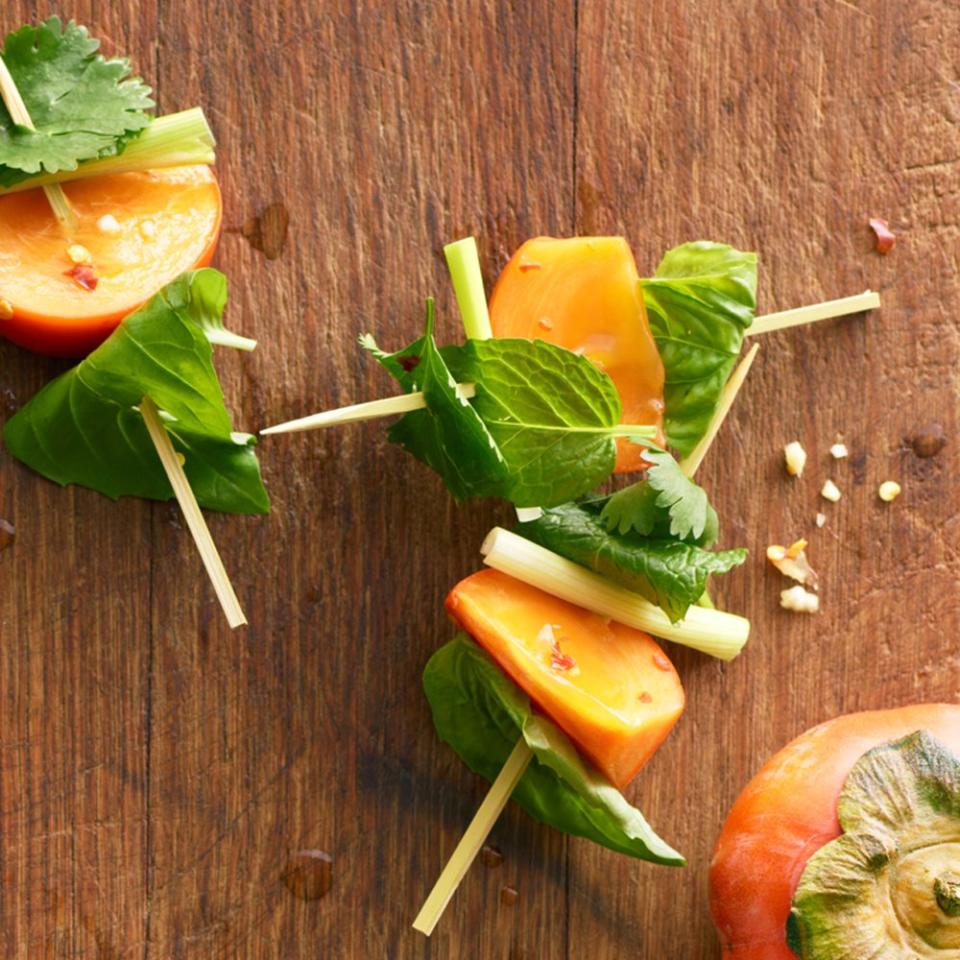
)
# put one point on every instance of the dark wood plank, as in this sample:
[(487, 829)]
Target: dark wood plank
[(782, 129), (74, 661)]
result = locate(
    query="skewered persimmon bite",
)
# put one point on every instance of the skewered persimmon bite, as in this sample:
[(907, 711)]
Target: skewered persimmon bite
[(583, 293), (609, 687), (62, 291)]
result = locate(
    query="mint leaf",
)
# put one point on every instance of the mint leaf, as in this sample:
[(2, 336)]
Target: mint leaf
[(670, 573), (83, 427), (665, 503), (541, 429), (82, 105), (481, 713), (699, 304)]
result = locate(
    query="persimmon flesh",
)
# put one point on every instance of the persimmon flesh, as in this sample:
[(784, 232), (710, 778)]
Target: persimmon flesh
[(583, 293), (141, 230), (609, 687)]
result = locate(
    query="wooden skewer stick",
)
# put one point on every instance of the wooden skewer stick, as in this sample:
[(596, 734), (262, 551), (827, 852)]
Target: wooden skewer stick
[(868, 300), (191, 512), (472, 840), (20, 115)]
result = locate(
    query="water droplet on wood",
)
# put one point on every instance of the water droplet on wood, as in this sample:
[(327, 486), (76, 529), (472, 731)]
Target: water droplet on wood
[(309, 874)]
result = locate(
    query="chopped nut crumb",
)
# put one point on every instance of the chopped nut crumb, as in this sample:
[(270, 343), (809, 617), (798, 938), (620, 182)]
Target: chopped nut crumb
[(830, 491), (6, 309), (885, 236), (148, 229), (799, 600), (795, 457), (821, 519), (839, 450), (108, 223), (79, 254), (792, 562), (889, 490)]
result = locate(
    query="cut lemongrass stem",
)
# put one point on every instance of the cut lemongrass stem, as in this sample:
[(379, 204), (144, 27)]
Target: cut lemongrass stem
[(714, 632), (176, 140), (868, 300), (463, 261), (191, 512), (691, 463), (21, 116), (474, 837)]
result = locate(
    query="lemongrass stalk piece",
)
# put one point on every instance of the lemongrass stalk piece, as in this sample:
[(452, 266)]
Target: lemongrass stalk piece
[(474, 837), (20, 115), (691, 463), (388, 406), (463, 262), (868, 300), (191, 512), (719, 634)]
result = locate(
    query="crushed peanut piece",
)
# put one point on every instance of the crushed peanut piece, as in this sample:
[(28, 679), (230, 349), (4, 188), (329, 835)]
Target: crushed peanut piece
[(839, 450), (108, 223), (79, 254), (795, 457), (830, 491), (148, 229), (799, 600), (6, 309), (889, 490), (821, 519), (792, 562)]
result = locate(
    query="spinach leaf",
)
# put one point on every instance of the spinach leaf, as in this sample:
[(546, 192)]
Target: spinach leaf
[(481, 713), (665, 503), (540, 430), (699, 304), (670, 573), (82, 105), (84, 427)]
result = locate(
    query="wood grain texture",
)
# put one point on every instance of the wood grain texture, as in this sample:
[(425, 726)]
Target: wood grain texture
[(158, 773)]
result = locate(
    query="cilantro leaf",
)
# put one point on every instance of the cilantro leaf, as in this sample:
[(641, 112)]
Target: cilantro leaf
[(481, 712), (699, 304), (665, 503), (82, 105), (540, 430), (84, 427), (668, 572)]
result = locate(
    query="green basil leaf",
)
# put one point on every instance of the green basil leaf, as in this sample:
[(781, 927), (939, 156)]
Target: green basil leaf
[(481, 713), (699, 303), (84, 427), (669, 573)]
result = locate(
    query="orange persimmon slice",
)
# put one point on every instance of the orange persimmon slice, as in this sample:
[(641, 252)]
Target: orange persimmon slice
[(141, 230), (609, 687), (583, 293)]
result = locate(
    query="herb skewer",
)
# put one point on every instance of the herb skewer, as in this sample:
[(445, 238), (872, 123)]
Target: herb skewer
[(20, 115), (541, 568)]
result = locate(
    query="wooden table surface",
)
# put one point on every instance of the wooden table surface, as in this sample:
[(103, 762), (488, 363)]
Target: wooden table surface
[(159, 773)]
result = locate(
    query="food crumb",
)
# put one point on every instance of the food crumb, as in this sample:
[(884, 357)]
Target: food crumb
[(839, 451), (821, 519), (795, 458), (108, 223), (885, 236), (830, 491), (889, 490), (799, 600)]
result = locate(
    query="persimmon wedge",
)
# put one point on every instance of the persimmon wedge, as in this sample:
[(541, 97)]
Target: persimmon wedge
[(583, 293), (141, 230), (609, 687)]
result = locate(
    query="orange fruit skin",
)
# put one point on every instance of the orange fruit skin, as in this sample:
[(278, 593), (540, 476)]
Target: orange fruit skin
[(610, 688), (169, 222), (787, 812), (583, 293)]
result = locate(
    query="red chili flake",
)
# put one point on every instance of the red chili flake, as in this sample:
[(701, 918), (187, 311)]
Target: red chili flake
[(524, 267), (408, 363), (885, 236), (559, 660), (545, 324), (661, 662), (645, 697), (83, 276)]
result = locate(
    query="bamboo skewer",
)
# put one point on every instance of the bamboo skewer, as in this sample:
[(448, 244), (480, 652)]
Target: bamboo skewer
[(191, 512), (21, 116)]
